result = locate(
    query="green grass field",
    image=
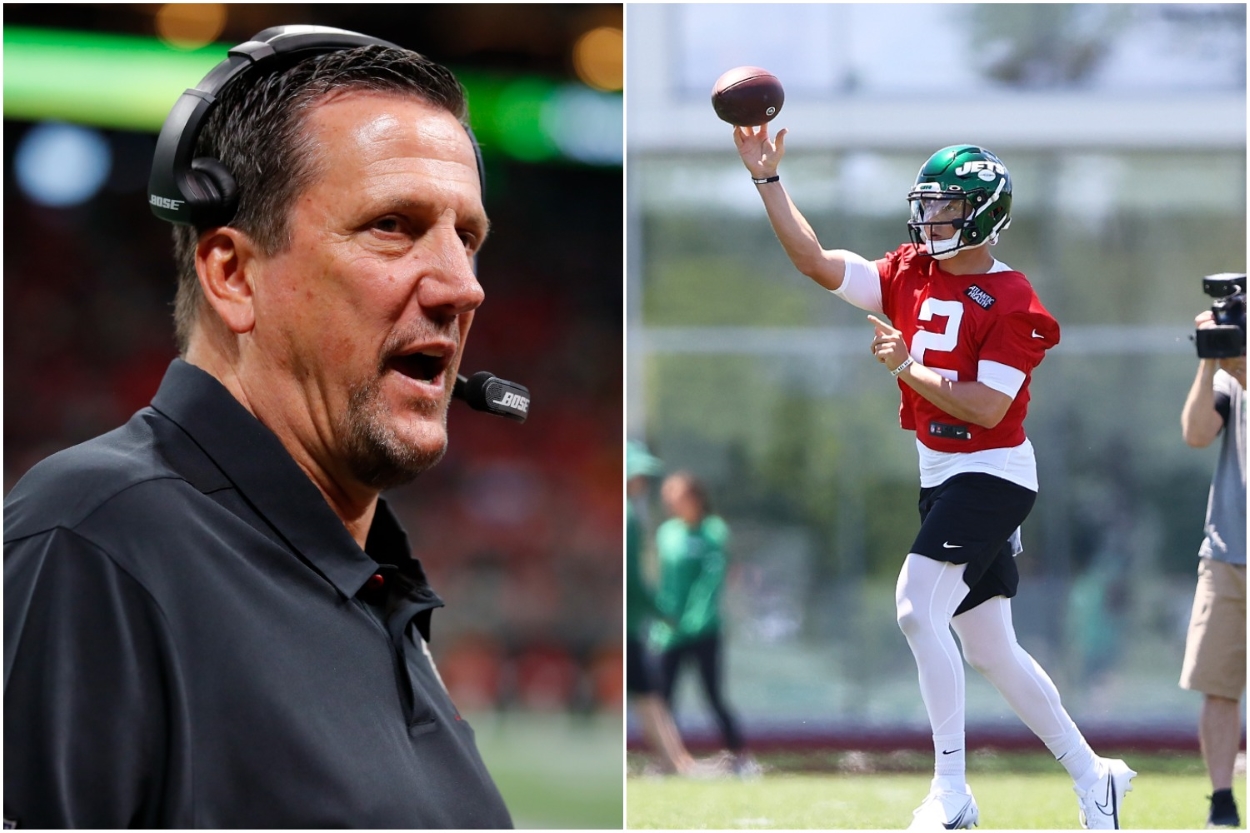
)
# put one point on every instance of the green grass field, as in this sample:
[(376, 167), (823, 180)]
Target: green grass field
[(1016, 793), (555, 770)]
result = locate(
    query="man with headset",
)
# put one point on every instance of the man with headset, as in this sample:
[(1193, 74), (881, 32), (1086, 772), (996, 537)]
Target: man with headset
[(211, 618)]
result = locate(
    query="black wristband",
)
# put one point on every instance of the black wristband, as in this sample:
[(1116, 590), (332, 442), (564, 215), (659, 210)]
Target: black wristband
[(767, 179)]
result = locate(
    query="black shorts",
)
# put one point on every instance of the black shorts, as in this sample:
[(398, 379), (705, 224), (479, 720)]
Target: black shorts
[(638, 676), (969, 519)]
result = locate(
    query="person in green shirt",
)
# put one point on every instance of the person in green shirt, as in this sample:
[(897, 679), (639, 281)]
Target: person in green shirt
[(691, 547), (640, 609)]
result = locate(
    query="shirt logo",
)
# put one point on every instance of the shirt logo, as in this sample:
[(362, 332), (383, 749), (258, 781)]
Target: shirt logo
[(980, 297), (1036, 334)]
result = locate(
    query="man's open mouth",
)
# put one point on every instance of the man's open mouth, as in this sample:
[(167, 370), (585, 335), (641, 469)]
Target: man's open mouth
[(423, 365)]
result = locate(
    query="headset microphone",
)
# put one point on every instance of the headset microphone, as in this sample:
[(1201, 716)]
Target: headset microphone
[(484, 391)]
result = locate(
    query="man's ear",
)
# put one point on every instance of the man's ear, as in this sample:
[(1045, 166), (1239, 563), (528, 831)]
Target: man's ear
[(224, 260)]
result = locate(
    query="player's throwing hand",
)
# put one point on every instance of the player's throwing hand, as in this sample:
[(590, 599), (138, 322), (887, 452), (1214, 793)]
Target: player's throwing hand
[(760, 154)]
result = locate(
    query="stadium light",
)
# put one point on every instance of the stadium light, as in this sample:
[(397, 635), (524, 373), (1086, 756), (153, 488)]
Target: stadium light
[(61, 165)]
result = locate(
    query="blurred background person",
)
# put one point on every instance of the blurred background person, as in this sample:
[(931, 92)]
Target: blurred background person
[(692, 552), (521, 522), (640, 610), (1215, 650)]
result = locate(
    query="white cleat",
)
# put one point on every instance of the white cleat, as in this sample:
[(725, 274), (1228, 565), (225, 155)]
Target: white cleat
[(945, 809), (1100, 805)]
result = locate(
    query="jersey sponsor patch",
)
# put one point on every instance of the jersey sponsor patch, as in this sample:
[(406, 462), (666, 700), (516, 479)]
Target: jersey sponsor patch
[(979, 296)]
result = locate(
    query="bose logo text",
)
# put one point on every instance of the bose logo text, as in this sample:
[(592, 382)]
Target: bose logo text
[(514, 400), (166, 202)]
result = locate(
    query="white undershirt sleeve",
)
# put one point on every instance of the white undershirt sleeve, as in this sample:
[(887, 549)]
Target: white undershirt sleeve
[(1002, 378), (861, 284)]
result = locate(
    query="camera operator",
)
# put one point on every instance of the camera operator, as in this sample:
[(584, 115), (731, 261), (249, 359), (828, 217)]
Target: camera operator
[(1215, 649)]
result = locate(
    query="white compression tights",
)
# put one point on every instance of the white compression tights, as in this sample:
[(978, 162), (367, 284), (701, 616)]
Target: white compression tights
[(989, 642), (927, 595)]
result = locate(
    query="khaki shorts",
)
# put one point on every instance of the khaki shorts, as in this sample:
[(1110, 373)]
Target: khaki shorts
[(1215, 649)]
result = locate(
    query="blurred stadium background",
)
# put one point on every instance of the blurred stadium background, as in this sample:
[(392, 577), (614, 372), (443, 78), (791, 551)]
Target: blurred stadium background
[(1124, 127), (520, 526)]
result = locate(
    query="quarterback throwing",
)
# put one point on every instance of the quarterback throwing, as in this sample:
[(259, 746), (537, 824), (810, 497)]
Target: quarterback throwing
[(964, 334)]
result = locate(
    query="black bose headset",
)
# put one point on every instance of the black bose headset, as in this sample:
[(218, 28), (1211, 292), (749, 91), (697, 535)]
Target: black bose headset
[(201, 191)]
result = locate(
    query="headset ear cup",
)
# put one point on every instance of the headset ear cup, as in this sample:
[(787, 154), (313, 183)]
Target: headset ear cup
[(219, 199)]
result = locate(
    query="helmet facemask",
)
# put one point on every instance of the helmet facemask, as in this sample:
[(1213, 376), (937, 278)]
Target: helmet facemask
[(937, 222)]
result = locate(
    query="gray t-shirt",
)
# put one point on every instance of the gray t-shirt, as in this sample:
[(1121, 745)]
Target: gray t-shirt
[(1226, 506)]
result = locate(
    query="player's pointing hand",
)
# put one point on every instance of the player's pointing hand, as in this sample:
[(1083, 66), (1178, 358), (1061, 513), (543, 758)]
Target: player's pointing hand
[(887, 343)]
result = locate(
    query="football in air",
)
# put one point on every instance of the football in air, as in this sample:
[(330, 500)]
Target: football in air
[(747, 96)]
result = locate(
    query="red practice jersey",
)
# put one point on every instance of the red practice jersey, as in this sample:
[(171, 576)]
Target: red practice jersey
[(951, 323)]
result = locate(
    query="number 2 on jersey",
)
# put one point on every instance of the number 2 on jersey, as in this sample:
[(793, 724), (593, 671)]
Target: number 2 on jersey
[(944, 341)]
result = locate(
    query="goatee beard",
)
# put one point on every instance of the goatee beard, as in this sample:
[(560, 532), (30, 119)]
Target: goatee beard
[(377, 456)]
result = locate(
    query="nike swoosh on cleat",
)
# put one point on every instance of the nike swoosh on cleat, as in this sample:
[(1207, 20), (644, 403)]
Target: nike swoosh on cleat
[(1102, 808), (958, 821)]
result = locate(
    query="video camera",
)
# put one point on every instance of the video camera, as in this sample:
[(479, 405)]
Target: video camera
[(1228, 337)]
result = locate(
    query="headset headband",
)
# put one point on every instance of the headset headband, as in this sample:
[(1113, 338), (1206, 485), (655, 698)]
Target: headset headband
[(201, 191)]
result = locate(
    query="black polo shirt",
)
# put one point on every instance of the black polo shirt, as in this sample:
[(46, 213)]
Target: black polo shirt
[(193, 639)]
